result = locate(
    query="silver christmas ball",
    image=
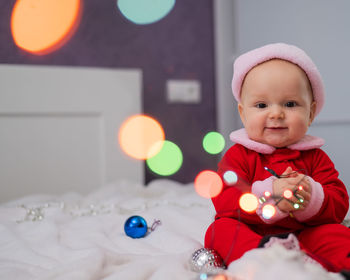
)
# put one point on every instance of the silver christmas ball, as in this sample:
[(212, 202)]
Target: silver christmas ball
[(206, 260)]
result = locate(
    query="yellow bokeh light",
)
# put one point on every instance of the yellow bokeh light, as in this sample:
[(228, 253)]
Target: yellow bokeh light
[(268, 211), (288, 194), (267, 193), (208, 184), (42, 26), (140, 137), (248, 202)]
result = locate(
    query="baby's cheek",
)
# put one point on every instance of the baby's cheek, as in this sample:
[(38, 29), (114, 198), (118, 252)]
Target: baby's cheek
[(256, 127)]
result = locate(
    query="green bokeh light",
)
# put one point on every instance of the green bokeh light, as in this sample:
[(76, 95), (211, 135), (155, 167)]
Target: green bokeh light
[(213, 142), (145, 11), (168, 161)]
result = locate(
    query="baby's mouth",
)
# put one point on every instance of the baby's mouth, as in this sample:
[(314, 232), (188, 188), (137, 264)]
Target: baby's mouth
[(276, 128)]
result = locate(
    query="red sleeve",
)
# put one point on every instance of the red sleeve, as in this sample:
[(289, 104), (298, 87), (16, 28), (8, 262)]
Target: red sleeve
[(336, 199), (227, 202)]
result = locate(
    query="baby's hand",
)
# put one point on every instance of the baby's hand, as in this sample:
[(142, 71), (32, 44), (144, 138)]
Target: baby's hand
[(292, 182)]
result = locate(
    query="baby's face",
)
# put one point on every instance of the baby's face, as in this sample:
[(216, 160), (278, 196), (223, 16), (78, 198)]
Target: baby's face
[(276, 105)]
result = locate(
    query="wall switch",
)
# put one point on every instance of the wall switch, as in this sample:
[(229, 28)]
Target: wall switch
[(183, 91)]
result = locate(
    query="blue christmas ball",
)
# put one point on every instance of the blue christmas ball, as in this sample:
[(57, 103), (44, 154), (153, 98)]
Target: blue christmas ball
[(135, 227)]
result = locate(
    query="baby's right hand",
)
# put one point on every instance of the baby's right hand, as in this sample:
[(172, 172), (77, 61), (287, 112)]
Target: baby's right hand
[(289, 183)]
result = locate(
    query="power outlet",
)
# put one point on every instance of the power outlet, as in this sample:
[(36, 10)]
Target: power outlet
[(183, 91)]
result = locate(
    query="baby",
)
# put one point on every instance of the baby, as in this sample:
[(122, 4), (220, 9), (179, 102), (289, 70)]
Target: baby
[(279, 92)]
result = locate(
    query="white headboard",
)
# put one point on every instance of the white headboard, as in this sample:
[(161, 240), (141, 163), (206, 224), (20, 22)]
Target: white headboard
[(59, 127)]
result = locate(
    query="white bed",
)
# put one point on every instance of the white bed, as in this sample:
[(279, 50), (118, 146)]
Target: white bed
[(73, 236)]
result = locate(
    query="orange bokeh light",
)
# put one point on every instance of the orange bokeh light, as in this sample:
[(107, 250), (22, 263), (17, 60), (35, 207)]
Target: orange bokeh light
[(220, 277), (42, 26), (208, 184), (140, 137), (248, 202)]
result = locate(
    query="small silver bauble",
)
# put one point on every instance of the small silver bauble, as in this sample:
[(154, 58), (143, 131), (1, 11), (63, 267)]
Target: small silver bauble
[(206, 260)]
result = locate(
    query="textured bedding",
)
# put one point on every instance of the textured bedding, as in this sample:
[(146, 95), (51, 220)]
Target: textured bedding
[(75, 236)]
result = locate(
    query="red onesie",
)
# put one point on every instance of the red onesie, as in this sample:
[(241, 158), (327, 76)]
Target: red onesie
[(317, 227)]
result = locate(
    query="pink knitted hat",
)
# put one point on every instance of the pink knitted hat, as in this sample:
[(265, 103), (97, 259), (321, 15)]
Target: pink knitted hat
[(248, 60)]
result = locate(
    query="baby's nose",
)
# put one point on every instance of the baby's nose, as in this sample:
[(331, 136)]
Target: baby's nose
[(276, 112)]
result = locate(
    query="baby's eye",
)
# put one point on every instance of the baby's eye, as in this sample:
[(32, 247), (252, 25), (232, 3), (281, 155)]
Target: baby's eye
[(261, 105), (291, 104)]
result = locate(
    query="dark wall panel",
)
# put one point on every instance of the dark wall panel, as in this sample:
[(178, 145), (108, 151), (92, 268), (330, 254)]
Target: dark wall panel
[(180, 46)]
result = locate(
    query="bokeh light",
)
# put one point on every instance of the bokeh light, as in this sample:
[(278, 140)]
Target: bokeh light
[(208, 184), (167, 161), (213, 142), (220, 277), (42, 26), (268, 211), (267, 194), (300, 188), (138, 136), (230, 177), (145, 11), (248, 202), (288, 194)]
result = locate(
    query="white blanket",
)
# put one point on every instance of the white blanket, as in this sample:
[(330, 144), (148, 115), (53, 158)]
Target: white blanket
[(82, 237)]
